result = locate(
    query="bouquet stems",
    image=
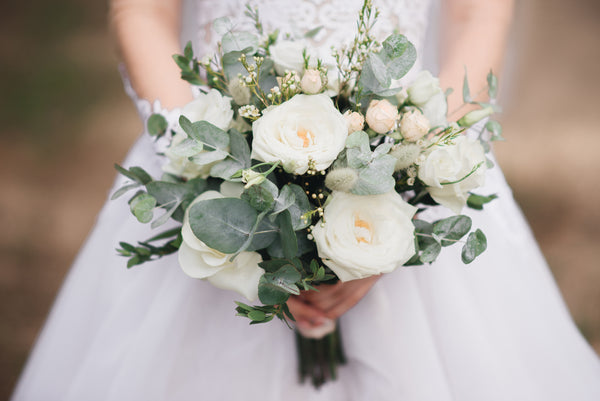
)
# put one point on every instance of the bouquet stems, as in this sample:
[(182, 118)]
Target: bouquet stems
[(318, 359)]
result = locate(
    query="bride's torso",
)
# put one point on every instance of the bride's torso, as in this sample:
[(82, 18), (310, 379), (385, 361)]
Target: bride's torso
[(336, 17)]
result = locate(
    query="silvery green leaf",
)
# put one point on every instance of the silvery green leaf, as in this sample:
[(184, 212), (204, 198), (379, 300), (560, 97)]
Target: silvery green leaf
[(430, 252), (477, 201), (222, 224), (358, 150), (313, 32), (157, 125), (287, 235), (142, 207), (124, 189), (466, 93), (382, 149), (238, 41), (239, 148), (475, 246), (259, 197), (452, 228), (285, 199), (492, 82), (222, 25), (205, 133), (189, 147), (207, 157), (377, 177), (399, 55), (374, 76), (300, 206), (496, 129)]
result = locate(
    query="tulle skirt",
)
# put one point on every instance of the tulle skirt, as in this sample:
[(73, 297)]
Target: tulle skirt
[(496, 329)]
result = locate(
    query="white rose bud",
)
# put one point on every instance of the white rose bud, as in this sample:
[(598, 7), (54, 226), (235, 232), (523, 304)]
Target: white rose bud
[(414, 125), (239, 92), (402, 96), (341, 179), (406, 155), (381, 116), (251, 177), (311, 82), (355, 121), (287, 55), (475, 116)]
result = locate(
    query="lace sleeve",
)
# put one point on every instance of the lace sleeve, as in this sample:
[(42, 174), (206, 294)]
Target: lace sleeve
[(146, 109)]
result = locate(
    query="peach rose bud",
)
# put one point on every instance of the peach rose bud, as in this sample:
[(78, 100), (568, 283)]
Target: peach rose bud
[(414, 125), (381, 116), (311, 82), (355, 121)]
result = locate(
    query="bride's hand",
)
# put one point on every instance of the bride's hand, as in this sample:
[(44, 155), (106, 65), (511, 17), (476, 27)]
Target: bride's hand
[(332, 301)]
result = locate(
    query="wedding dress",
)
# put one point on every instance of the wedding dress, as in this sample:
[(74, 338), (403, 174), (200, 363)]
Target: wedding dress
[(494, 330)]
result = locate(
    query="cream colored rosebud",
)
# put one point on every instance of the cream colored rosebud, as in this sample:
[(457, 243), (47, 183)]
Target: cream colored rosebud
[(311, 82), (239, 92), (406, 155), (402, 96), (474, 116), (251, 177), (381, 116), (414, 125), (355, 121), (341, 179)]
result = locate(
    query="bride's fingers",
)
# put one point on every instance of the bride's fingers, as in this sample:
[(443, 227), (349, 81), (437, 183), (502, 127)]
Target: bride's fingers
[(305, 314)]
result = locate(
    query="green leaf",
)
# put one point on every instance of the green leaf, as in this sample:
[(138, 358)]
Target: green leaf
[(477, 201), (430, 252), (466, 93), (285, 199), (274, 288), (452, 228), (289, 241), (226, 224), (492, 82), (239, 41), (124, 189), (157, 125), (400, 55), (189, 147), (142, 206), (300, 206), (496, 129), (239, 157), (222, 25), (377, 177), (313, 32), (204, 158), (136, 174), (187, 51), (257, 315), (205, 133), (272, 265), (475, 246)]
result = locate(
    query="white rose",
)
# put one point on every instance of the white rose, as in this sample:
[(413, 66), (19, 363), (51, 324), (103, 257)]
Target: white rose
[(212, 107), (425, 92), (452, 163), (365, 235), (287, 55), (305, 128), (311, 82), (199, 261), (381, 116), (355, 121), (413, 125)]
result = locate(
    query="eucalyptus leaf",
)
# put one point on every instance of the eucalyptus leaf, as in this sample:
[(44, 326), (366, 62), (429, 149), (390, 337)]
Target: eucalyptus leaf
[(238, 41), (205, 133), (157, 125), (496, 129), (475, 246), (285, 199), (377, 177), (204, 158), (452, 228), (222, 25), (142, 206), (466, 93), (189, 147), (259, 197), (300, 206), (400, 55), (119, 192), (492, 82), (430, 252), (475, 201), (287, 235)]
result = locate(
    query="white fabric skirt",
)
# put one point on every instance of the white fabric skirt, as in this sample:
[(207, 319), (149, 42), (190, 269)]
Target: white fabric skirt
[(496, 329)]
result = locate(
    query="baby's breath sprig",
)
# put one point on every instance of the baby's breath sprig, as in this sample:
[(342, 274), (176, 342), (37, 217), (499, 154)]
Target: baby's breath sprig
[(446, 137), (289, 84), (350, 59), (251, 80)]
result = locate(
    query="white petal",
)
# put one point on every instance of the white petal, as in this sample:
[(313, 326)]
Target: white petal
[(241, 276)]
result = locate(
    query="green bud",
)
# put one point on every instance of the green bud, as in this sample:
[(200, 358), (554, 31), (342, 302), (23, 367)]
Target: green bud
[(474, 116)]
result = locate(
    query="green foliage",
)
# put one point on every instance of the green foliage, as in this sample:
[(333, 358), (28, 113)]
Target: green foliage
[(466, 93), (237, 159), (477, 201), (475, 246), (142, 206), (375, 169), (394, 60), (452, 229), (157, 125), (146, 251), (492, 82), (495, 129), (188, 64)]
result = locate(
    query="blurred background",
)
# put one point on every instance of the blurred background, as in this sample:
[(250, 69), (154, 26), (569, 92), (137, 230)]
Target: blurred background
[(64, 121)]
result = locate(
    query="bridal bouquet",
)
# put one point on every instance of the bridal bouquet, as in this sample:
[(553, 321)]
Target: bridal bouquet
[(290, 170)]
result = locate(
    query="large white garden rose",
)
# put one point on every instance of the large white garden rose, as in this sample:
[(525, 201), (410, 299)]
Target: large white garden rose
[(452, 163), (425, 92), (306, 127), (365, 235), (200, 261)]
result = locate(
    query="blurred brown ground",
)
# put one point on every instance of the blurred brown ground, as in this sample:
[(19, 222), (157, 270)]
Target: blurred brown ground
[(65, 120)]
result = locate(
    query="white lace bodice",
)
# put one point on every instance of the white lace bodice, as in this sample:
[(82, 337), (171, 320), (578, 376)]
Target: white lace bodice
[(336, 17)]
